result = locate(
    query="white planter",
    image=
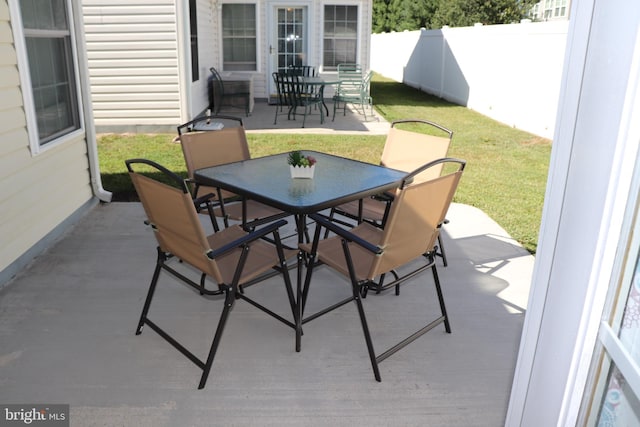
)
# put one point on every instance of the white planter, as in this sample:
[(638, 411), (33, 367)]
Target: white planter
[(302, 171)]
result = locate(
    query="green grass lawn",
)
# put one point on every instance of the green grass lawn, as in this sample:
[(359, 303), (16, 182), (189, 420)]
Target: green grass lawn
[(505, 175)]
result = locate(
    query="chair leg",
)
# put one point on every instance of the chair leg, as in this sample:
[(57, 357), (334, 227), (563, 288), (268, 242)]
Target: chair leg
[(367, 335), (152, 287), (443, 309), (228, 304), (212, 215), (355, 286), (304, 116), (442, 252)]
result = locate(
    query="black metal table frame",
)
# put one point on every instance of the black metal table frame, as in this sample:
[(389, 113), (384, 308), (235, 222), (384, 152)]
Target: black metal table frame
[(267, 180)]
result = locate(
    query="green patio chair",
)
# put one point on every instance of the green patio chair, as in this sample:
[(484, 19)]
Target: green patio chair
[(353, 89)]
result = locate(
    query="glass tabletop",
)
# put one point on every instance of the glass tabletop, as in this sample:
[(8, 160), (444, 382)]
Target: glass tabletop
[(267, 179)]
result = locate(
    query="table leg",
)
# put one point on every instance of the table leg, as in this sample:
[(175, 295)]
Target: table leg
[(301, 228), (321, 95), (298, 318)]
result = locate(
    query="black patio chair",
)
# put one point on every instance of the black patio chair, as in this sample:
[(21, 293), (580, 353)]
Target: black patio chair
[(366, 252), (229, 94), (404, 150), (217, 146), (232, 258)]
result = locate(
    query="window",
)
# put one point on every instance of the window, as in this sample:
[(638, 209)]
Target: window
[(239, 37), (561, 8), (340, 36), (50, 58), (555, 9), (193, 27)]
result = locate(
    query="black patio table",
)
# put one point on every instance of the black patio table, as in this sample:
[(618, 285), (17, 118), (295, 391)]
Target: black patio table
[(267, 180)]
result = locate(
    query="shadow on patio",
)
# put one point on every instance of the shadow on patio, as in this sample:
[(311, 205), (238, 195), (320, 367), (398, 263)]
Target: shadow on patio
[(68, 323)]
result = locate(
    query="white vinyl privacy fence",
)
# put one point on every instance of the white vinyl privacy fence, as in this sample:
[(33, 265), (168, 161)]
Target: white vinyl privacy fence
[(510, 73)]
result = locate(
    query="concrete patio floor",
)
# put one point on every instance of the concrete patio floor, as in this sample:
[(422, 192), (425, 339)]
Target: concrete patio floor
[(67, 336), (350, 123)]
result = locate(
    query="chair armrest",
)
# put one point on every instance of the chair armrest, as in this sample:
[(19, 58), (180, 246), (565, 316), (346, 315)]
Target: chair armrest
[(203, 199), (248, 238), (325, 222), (384, 197)]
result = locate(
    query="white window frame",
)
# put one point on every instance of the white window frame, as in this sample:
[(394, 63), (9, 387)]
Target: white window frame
[(26, 86), (360, 8), (257, 6)]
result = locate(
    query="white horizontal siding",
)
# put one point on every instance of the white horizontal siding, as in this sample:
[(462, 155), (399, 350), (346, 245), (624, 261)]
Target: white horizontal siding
[(132, 50), (125, 3), (125, 90)]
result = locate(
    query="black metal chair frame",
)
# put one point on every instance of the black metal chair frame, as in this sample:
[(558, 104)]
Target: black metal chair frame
[(283, 99), (388, 198), (300, 96), (302, 70), (360, 287), (231, 291), (191, 126), (219, 94), (208, 201)]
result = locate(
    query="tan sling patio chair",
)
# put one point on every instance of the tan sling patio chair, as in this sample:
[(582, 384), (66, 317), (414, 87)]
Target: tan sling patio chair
[(207, 148), (404, 150), (232, 257), (367, 252)]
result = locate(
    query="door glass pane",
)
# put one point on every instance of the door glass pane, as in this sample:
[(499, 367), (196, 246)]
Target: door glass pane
[(620, 406), (291, 31)]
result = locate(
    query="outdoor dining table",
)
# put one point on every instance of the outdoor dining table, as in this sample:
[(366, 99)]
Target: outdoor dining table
[(321, 83), (267, 180)]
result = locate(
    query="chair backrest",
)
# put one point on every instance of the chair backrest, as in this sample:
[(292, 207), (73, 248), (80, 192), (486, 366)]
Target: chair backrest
[(282, 89), (407, 150), (218, 89), (172, 214), (415, 216), (212, 148), (302, 70), (212, 122), (348, 69), (295, 89)]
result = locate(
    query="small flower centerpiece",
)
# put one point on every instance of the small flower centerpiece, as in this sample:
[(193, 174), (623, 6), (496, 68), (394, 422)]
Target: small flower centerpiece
[(301, 166)]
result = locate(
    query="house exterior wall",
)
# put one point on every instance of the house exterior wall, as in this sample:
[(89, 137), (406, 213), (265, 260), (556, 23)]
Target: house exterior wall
[(210, 40), (207, 48), (134, 68), (38, 192), (140, 57)]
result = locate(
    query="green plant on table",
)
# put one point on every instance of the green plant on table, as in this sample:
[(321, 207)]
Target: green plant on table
[(296, 158)]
